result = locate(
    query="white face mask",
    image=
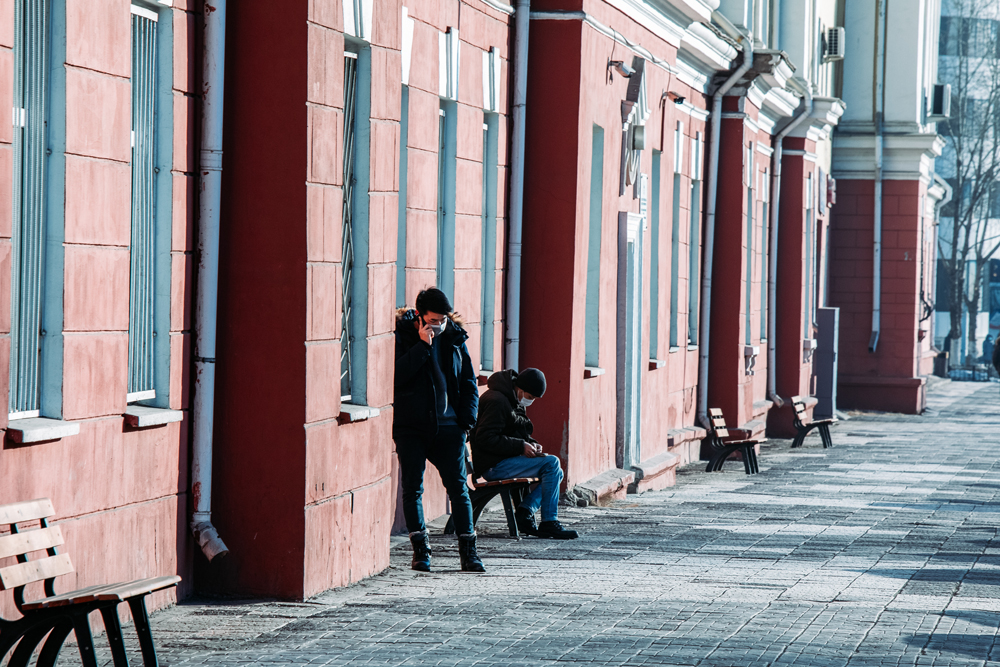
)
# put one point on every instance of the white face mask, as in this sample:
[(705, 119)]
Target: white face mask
[(525, 402), (438, 329)]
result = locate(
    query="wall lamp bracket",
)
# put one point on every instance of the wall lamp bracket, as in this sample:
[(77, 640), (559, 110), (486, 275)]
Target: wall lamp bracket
[(620, 67)]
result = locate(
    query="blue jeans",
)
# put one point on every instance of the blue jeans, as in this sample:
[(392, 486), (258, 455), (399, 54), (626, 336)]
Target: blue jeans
[(546, 492), (446, 451)]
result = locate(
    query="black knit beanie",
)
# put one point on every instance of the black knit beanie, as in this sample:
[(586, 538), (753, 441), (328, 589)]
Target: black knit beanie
[(532, 381)]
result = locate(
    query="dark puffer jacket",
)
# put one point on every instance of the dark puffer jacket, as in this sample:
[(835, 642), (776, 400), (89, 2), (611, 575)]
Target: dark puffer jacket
[(414, 396), (502, 427)]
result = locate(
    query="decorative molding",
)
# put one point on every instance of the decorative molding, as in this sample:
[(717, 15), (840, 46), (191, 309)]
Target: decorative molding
[(905, 157), (499, 6), (491, 80), (764, 150), (407, 51), (448, 61)]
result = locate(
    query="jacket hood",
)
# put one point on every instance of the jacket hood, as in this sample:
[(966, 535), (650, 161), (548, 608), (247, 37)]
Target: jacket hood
[(405, 317), (503, 382)]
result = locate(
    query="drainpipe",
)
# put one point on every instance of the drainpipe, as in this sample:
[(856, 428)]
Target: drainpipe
[(944, 201), (512, 316), (206, 312), (772, 265), (879, 110), (713, 188)]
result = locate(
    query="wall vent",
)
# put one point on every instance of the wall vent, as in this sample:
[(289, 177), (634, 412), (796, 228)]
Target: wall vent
[(833, 45)]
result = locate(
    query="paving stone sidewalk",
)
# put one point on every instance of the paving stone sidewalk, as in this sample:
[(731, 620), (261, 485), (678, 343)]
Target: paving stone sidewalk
[(881, 551)]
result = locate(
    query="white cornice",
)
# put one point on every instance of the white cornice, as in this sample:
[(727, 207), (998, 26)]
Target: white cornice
[(905, 157), (665, 24), (693, 111), (705, 48), (779, 103), (499, 5), (692, 74)]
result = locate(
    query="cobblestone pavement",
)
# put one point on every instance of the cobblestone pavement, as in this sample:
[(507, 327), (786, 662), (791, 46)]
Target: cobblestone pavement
[(881, 551)]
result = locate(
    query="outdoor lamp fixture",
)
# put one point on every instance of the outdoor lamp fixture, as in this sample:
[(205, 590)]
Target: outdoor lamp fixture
[(621, 68), (674, 97)]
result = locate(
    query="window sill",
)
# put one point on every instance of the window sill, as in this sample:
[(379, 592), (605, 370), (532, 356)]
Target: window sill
[(40, 429), (657, 363), (692, 348), (592, 372), (350, 413), (142, 416), (672, 349)]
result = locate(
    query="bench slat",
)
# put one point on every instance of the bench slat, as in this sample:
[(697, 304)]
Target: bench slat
[(504, 482), (29, 510), (32, 540), (35, 570), (108, 593)]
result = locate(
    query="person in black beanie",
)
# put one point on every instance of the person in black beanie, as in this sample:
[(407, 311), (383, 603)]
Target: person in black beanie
[(435, 402), (502, 448)]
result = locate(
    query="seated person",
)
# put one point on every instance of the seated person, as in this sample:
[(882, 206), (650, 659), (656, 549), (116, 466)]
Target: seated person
[(502, 448)]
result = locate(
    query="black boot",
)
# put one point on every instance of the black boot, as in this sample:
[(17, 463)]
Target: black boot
[(421, 551), (467, 554), (554, 530), (525, 521)]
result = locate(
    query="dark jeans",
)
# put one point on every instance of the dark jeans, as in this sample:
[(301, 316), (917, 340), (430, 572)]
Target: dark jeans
[(446, 451)]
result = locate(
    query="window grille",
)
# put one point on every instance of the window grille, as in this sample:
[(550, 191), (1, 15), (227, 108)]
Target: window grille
[(654, 259), (593, 309), (765, 250), (750, 174), (489, 242), (31, 45), (807, 320), (142, 270), (675, 234), (347, 255)]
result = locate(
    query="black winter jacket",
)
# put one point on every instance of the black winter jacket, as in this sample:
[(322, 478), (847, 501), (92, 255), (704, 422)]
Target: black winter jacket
[(502, 427), (414, 398)]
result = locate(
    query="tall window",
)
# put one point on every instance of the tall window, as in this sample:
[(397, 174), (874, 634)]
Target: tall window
[(491, 128), (654, 260), (765, 248), (447, 140), (592, 327), (694, 238), (142, 276), (807, 320), (347, 240), (675, 232), (354, 248), (31, 47), (404, 134), (750, 173)]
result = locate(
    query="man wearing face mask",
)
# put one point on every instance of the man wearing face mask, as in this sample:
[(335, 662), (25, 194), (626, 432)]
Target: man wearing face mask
[(502, 448), (436, 399)]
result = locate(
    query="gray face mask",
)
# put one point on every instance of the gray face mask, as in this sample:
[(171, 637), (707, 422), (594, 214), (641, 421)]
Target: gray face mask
[(438, 329), (525, 402)]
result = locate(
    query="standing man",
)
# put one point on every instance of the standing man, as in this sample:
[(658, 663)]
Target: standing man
[(436, 400), (502, 448)]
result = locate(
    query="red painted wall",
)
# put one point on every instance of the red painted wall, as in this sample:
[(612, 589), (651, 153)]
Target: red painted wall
[(888, 379), (120, 493)]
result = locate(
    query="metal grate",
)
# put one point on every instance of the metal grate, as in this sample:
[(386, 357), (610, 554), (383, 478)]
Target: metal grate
[(142, 269), (350, 110), (31, 46)]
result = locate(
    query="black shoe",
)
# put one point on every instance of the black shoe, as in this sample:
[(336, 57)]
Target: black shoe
[(555, 531), (421, 552), (467, 554), (525, 521)]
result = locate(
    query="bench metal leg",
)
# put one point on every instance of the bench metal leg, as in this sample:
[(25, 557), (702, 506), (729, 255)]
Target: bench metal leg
[(54, 644), (114, 629), (84, 639), (138, 607), (26, 647), (747, 462), (799, 438), (824, 432), (508, 508)]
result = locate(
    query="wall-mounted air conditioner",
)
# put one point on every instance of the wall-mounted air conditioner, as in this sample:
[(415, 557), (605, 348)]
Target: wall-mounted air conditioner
[(939, 102), (833, 45)]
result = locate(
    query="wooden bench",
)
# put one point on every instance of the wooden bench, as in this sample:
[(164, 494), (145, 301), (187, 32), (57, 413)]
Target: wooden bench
[(803, 427), (511, 491), (54, 616), (722, 450)]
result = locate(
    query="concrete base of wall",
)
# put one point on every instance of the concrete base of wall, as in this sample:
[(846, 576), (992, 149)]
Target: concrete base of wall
[(883, 394), (655, 473), (606, 487)]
